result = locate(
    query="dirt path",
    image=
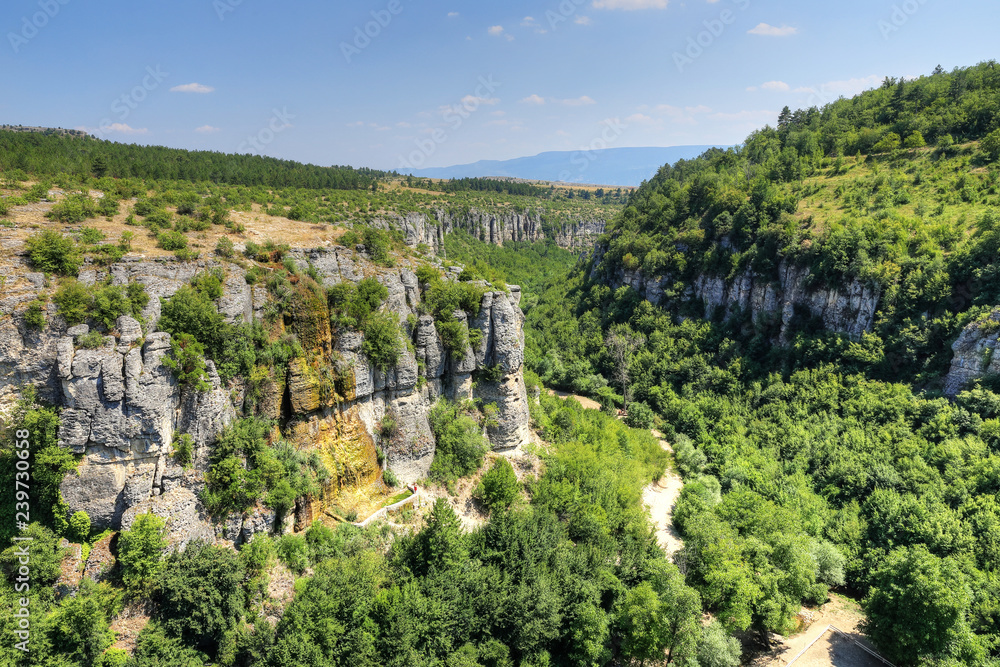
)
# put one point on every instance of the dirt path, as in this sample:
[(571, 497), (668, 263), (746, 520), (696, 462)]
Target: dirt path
[(588, 403), (841, 612), (660, 497)]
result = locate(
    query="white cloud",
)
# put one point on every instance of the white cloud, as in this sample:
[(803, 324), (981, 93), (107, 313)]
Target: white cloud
[(530, 23), (766, 30), (498, 31), (534, 99), (582, 20), (192, 88), (452, 15), (472, 100), (639, 119), (630, 5), (206, 129), (122, 128), (772, 86), (582, 101)]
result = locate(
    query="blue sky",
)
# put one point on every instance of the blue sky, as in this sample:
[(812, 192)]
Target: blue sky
[(436, 82)]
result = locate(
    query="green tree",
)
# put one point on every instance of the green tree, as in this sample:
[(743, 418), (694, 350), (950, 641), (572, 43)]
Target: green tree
[(140, 552), (915, 140), (499, 487), (916, 606), (990, 145), (382, 343), (52, 252), (201, 595)]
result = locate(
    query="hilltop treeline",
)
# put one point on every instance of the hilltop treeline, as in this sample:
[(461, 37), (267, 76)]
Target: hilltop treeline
[(49, 155)]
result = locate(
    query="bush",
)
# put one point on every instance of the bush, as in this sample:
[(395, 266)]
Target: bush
[(73, 301), (499, 487), (171, 240), (378, 242), (52, 252), (91, 340), (224, 247), (351, 305), (716, 648), (390, 479), (140, 552), (79, 527), (156, 649), (113, 657), (201, 594), (184, 449), (112, 301), (460, 444), (75, 208), (91, 236), (382, 344), (34, 315), (640, 415), (293, 551), (187, 361)]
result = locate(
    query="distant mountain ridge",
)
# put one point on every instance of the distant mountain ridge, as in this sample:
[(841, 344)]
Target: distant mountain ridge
[(610, 166)]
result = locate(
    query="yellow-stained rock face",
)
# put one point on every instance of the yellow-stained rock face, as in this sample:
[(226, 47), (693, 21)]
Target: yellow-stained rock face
[(346, 449), (310, 320)]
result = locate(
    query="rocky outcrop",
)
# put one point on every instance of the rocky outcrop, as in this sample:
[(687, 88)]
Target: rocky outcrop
[(122, 408), (495, 228), (849, 309), (975, 354)]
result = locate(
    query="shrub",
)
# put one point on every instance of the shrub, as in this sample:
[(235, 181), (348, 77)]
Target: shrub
[(390, 479), (155, 648), (109, 302), (171, 240), (91, 340), (79, 527), (113, 657), (184, 449), (377, 244), (201, 594), (716, 648), (140, 552), (499, 487), (640, 415), (460, 444), (224, 247), (52, 252), (73, 301), (91, 236), (351, 305), (293, 551), (75, 208), (34, 315), (187, 361), (382, 344)]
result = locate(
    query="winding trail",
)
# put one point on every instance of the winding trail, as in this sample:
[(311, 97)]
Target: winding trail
[(660, 497)]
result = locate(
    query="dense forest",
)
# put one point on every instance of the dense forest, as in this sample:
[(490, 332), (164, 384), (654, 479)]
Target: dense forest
[(49, 155)]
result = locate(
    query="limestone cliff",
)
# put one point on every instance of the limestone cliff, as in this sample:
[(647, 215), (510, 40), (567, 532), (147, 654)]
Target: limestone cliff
[(849, 309), (122, 409), (975, 354), (494, 228)]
